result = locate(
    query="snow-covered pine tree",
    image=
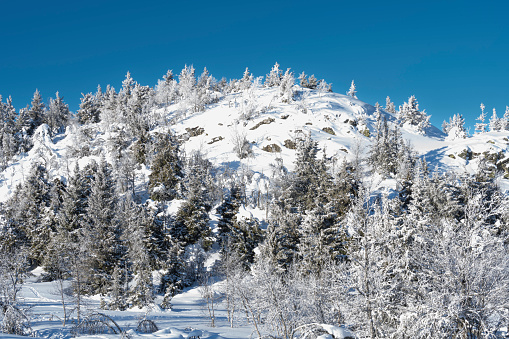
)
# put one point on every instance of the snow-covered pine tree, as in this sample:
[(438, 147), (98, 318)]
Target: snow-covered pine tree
[(246, 81), (137, 238), (35, 114), (480, 127), (187, 84), (192, 219), (8, 131), (456, 127), (101, 234), (57, 114), (494, 122), (167, 168), (89, 110), (286, 86), (352, 91), (166, 89), (274, 77), (389, 106), (504, 121), (409, 114), (27, 210), (303, 81)]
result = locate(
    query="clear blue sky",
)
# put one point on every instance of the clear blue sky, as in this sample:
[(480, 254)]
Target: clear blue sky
[(452, 55)]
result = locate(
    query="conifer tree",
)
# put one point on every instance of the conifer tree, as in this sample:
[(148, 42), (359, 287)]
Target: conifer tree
[(57, 114), (28, 209), (303, 81), (409, 114), (167, 169), (35, 114), (89, 111), (101, 235), (481, 125), (389, 106), (495, 122), (274, 77), (286, 86), (352, 91)]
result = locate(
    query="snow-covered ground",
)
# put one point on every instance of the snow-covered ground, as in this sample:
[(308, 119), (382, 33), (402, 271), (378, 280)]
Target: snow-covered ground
[(188, 318)]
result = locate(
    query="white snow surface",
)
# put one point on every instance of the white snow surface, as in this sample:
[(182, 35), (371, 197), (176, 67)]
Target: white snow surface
[(187, 319)]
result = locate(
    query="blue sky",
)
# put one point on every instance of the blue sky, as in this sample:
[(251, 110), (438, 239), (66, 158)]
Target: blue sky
[(452, 55)]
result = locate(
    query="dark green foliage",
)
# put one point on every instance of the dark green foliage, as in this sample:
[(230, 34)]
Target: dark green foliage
[(167, 169), (175, 278)]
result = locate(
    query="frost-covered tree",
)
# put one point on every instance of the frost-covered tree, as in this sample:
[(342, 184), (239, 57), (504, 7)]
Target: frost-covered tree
[(101, 236), (286, 90), (495, 122), (274, 77), (89, 111), (303, 81), (8, 131), (389, 106), (352, 91), (167, 168), (409, 114), (504, 121), (455, 128), (57, 114), (480, 127), (246, 81), (166, 89), (35, 113)]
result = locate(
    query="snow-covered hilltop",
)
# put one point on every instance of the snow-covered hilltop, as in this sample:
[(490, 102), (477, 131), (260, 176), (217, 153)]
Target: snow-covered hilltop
[(284, 209)]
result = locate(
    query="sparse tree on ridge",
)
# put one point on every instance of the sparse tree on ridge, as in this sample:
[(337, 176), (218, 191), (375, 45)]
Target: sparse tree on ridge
[(274, 77), (389, 106), (481, 125), (495, 123), (57, 114), (409, 113), (352, 92)]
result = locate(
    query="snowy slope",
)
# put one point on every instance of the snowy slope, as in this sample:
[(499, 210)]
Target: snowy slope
[(329, 117)]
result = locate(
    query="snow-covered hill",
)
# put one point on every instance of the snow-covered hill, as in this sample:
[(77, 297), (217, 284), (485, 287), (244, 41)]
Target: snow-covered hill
[(342, 125)]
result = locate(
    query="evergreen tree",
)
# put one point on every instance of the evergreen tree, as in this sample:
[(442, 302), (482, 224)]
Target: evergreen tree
[(286, 86), (455, 129), (303, 81), (192, 219), (495, 123), (101, 234), (89, 111), (274, 77), (352, 92), (28, 209), (167, 169), (8, 130), (409, 114), (481, 125), (166, 89), (174, 278), (138, 237), (57, 114), (312, 82), (389, 106), (35, 114)]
